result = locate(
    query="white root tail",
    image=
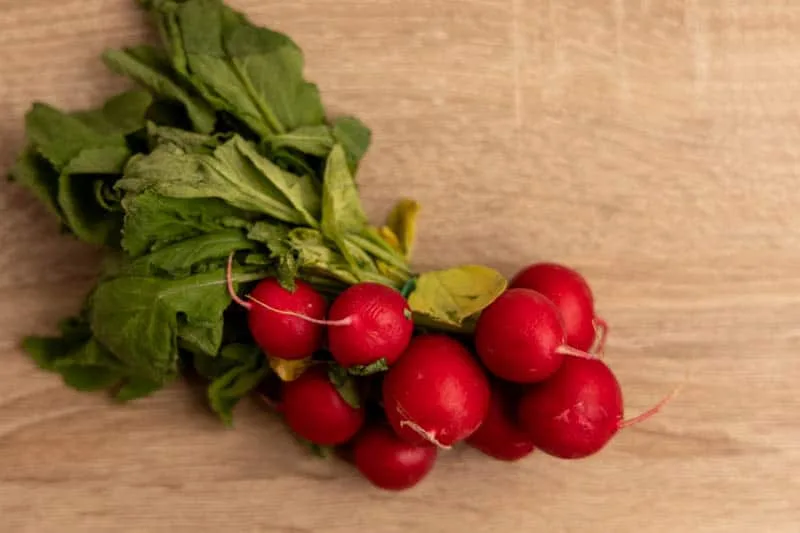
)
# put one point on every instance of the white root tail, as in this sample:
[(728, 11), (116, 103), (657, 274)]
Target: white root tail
[(229, 283), (574, 352), (346, 321), (600, 335), (650, 412), (422, 433)]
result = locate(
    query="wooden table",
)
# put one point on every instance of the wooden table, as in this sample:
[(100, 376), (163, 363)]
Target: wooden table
[(655, 145)]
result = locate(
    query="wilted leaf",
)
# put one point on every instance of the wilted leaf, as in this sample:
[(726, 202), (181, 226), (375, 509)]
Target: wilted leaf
[(449, 297)]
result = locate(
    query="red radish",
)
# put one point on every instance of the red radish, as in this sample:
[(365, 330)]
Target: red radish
[(374, 322), (571, 294), (367, 322), (575, 413), (499, 436), (284, 324), (520, 337), (314, 410), (436, 392), (389, 462)]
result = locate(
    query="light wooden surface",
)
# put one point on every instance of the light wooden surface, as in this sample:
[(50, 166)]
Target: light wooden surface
[(653, 144)]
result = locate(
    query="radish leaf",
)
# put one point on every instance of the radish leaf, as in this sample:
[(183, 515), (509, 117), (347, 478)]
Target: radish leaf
[(240, 379), (153, 221), (450, 297), (235, 173), (367, 370), (402, 223), (137, 317), (150, 68), (289, 370), (345, 385)]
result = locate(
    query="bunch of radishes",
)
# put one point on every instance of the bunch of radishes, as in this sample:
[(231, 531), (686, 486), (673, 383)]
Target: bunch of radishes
[(529, 378)]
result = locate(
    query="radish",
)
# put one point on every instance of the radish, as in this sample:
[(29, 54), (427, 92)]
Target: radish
[(436, 392), (367, 322), (284, 324), (373, 322), (389, 462), (520, 337), (499, 436), (571, 294), (575, 413), (315, 410)]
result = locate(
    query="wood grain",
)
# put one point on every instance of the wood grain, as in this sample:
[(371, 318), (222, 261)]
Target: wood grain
[(655, 145)]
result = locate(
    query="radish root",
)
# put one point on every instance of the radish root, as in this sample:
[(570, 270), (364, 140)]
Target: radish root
[(346, 321), (229, 282), (650, 412), (422, 433), (574, 352), (416, 428), (600, 334)]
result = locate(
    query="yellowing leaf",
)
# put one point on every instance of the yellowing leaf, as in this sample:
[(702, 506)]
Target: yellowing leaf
[(289, 370), (449, 297), (402, 222), (390, 237)]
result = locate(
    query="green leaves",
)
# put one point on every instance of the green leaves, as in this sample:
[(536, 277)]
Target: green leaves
[(35, 173), (185, 257), (271, 68), (354, 137), (84, 363), (253, 73), (150, 68), (319, 140), (276, 237), (447, 298), (243, 367), (216, 60), (85, 194), (59, 137), (341, 206), (73, 160), (225, 149), (367, 370), (122, 114), (139, 317), (345, 385), (153, 221), (234, 172)]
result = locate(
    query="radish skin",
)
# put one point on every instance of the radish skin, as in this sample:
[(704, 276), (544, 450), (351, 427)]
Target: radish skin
[(436, 392), (367, 322), (389, 462), (314, 409), (573, 297), (499, 436), (379, 325), (578, 411), (284, 324), (520, 337)]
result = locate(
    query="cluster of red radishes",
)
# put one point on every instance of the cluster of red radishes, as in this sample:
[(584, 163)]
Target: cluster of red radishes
[(535, 383)]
